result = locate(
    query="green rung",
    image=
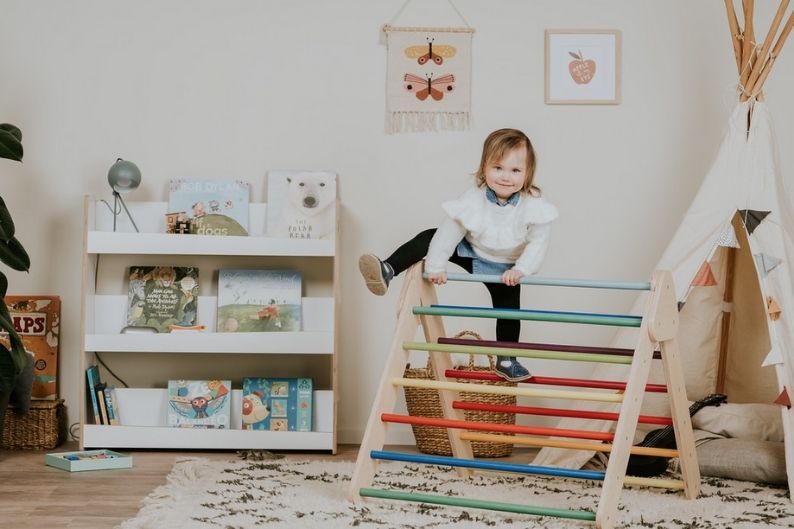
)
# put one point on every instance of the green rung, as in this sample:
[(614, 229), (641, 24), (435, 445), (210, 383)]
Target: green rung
[(509, 351), (533, 315), (476, 504)]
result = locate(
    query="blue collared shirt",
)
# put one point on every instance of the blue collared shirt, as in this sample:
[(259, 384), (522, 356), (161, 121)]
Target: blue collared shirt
[(464, 249)]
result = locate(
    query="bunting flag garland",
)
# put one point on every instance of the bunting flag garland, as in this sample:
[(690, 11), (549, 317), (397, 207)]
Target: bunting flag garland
[(704, 277), (728, 237), (765, 263), (772, 308), (428, 85), (783, 399), (752, 218)]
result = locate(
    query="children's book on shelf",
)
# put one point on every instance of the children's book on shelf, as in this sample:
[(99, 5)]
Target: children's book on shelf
[(37, 321), (162, 297), (277, 404), (199, 403), (259, 300), (92, 383), (212, 207), (301, 204), (88, 460)]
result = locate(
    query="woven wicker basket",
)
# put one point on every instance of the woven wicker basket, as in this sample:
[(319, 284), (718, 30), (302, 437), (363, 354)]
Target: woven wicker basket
[(42, 428), (423, 402)]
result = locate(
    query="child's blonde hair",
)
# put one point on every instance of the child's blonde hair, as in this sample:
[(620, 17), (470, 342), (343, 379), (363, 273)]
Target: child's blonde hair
[(496, 147)]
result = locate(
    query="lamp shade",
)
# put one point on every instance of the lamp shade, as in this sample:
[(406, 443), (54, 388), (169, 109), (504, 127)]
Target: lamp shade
[(124, 176)]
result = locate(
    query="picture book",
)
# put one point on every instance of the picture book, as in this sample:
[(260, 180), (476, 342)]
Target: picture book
[(162, 297), (301, 204), (37, 321), (92, 383), (199, 403), (277, 404), (212, 207), (259, 300)]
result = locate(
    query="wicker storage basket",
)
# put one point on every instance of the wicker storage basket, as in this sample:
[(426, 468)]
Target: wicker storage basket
[(42, 428), (423, 402)]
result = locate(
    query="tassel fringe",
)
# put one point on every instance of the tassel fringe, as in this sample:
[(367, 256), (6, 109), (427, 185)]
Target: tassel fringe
[(397, 122)]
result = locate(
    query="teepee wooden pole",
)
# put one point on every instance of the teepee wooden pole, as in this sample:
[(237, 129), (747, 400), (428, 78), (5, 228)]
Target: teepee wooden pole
[(748, 47), (725, 331), (736, 33), (761, 59), (759, 84)]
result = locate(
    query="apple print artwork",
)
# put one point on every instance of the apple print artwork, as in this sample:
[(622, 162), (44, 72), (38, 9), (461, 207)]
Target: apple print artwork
[(582, 71)]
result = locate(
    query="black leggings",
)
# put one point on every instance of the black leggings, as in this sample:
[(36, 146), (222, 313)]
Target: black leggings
[(502, 296)]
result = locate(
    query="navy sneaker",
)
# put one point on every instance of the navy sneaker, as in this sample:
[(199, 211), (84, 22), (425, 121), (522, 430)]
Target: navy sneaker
[(377, 274), (510, 369)]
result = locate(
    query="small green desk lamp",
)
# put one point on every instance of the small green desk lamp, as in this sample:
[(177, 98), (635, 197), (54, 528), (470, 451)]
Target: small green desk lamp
[(123, 177)]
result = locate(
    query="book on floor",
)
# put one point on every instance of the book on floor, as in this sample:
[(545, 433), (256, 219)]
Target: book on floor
[(212, 207), (259, 300), (199, 403), (162, 297), (277, 404)]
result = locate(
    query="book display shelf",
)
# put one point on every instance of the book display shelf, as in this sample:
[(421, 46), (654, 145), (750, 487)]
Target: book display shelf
[(145, 362)]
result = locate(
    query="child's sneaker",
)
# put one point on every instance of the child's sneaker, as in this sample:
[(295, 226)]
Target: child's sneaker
[(510, 369), (377, 274)]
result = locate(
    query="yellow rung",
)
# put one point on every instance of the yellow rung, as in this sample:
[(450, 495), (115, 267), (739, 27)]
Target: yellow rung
[(573, 445), (506, 390)]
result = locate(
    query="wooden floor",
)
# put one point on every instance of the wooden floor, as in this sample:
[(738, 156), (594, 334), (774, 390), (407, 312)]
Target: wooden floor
[(35, 496)]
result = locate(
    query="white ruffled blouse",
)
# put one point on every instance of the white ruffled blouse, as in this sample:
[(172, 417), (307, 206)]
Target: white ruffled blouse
[(503, 234)]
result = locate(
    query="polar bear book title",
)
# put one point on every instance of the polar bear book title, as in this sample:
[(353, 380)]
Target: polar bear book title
[(301, 204)]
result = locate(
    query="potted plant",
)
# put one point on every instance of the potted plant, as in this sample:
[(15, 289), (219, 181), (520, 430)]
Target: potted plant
[(13, 359)]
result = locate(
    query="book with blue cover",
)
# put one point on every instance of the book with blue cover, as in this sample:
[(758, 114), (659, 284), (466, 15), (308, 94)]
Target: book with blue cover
[(277, 404), (199, 403), (259, 301), (213, 207)]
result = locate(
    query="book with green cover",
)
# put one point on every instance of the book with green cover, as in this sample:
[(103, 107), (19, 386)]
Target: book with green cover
[(259, 300), (162, 297)]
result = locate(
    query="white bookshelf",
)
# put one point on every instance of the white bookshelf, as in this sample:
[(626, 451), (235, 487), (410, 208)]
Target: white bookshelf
[(142, 409)]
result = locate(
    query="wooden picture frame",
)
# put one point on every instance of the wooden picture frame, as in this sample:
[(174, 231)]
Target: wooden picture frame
[(582, 66)]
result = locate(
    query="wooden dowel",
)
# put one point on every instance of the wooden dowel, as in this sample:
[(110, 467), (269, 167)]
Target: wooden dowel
[(759, 84), (568, 445), (748, 46), (733, 24), (762, 56)]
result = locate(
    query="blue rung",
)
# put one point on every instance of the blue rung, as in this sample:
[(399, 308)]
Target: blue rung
[(553, 281), (487, 465)]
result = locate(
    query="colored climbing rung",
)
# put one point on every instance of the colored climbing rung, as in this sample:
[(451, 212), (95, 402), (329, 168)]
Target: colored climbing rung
[(475, 504), (488, 465), (494, 427), (553, 281), (507, 390), (618, 320), (546, 347), (556, 412), (553, 381), (523, 353)]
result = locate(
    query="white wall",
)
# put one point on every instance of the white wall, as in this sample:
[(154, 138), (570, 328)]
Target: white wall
[(206, 89)]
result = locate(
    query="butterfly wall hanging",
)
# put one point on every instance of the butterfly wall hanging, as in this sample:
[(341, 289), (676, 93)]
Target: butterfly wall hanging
[(428, 85)]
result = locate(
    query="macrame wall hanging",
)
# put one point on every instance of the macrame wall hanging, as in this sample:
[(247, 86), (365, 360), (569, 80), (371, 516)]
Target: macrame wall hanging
[(428, 79)]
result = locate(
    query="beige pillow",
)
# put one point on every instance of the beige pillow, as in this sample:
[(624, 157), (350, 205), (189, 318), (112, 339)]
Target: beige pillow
[(757, 461), (762, 422)]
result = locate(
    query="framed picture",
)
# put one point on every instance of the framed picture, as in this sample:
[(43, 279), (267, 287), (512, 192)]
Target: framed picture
[(582, 67)]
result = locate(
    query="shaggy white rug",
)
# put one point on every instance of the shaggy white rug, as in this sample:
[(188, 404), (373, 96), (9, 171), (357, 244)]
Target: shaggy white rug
[(288, 494)]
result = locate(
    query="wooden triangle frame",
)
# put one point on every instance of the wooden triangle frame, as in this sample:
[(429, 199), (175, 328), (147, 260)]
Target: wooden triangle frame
[(659, 325)]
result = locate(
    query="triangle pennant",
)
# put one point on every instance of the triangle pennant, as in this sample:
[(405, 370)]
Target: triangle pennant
[(783, 399), (752, 218), (704, 277), (765, 263), (728, 237), (774, 357), (681, 305), (772, 308)]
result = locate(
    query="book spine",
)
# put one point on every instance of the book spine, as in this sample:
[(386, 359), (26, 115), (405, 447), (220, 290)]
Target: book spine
[(100, 395), (112, 419), (92, 376)]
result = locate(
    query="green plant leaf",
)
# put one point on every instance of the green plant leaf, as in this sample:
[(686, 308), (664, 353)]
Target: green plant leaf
[(6, 222), (17, 351), (10, 142), (14, 255)]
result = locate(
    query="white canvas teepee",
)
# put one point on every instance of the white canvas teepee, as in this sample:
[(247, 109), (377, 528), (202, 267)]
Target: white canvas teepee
[(732, 260)]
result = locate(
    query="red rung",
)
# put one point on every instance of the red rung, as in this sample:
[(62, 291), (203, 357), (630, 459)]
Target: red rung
[(556, 412), (554, 381), (492, 427)]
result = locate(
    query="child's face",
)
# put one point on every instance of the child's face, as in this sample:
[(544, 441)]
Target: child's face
[(507, 176)]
